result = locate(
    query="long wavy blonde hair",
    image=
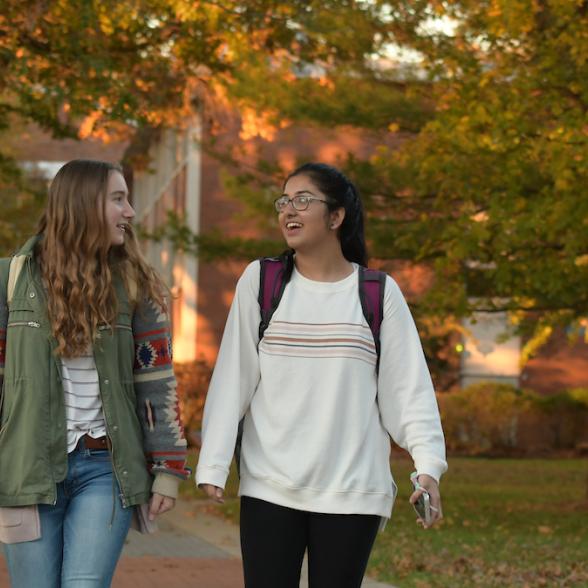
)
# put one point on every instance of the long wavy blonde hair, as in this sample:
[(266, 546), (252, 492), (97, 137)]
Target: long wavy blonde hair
[(78, 262)]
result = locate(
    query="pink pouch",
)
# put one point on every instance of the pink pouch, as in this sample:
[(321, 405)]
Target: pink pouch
[(19, 524)]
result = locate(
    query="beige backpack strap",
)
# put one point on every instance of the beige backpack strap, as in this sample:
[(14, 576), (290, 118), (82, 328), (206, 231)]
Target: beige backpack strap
[(16, 265)]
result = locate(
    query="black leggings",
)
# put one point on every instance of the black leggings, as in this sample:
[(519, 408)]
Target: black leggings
[(274, 539)]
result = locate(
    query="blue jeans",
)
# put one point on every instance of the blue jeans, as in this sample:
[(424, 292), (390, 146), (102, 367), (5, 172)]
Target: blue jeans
[(82, 536)]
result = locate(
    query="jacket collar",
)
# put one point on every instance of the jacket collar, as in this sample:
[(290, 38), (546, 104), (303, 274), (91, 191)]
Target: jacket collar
[(29, 247)]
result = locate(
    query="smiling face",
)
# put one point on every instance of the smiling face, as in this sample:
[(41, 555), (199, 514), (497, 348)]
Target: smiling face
[(118, 210), (305, 229)]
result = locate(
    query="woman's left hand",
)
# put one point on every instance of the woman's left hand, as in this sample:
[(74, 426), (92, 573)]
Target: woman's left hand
[(160, 504), (432, 487)]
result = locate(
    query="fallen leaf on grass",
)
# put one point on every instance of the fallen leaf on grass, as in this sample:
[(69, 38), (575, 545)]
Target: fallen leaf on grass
[(544, 530), (404, 564)]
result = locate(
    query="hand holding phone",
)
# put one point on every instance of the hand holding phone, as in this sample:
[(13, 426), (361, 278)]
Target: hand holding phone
[(422, 505)]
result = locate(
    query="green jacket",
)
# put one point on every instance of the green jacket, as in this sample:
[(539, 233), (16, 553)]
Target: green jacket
[(135, 373)]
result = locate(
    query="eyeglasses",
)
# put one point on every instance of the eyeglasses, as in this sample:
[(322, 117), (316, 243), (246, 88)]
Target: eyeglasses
[(298, 202)]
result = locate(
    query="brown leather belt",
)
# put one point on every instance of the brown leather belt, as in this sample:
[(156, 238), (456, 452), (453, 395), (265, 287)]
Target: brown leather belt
[(91, 443)]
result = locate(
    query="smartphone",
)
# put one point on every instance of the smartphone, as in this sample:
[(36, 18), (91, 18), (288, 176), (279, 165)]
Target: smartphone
[(423, 504)]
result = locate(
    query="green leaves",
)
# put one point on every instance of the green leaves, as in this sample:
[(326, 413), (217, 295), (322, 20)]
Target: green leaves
[(488, 192), (22, 204), (212, 244), (479, 167)]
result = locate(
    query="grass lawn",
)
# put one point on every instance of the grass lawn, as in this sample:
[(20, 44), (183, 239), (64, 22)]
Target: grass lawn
[(508, 522)]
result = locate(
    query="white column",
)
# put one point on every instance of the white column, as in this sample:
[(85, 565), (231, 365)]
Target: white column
[(488, 355), (186, 266)]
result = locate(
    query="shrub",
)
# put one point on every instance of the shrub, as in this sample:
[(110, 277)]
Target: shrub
[(580, 395), (561, 419), (482, 418), (193, 379), (497, 419)]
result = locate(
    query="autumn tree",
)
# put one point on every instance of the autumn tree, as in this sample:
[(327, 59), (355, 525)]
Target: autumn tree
[(21, 201), (103, 68), (494, 187), (489, 188), (108, 69)]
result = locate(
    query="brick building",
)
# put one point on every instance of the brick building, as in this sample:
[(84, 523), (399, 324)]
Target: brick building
[(182, 176)]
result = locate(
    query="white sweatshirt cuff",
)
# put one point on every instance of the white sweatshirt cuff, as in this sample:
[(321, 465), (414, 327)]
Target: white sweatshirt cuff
[(211, 475), (434, 469)]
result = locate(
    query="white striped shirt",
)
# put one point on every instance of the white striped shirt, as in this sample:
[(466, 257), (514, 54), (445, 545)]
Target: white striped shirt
[(83, 405)]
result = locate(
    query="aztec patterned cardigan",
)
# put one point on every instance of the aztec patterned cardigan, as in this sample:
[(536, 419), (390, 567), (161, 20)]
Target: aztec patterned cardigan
[(164, 440)]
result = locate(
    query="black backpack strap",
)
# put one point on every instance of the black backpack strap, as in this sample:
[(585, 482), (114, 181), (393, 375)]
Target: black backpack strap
[(372, 284)]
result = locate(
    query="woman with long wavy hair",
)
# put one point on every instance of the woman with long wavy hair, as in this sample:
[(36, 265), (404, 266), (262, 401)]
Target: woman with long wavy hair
[(319, 394), (90, 433)]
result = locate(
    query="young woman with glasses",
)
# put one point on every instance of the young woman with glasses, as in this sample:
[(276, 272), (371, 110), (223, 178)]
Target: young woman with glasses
[(90, 428), (318, 414)]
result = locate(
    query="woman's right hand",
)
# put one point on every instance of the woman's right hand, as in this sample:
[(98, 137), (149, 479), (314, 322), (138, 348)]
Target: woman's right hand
[(213, 492)]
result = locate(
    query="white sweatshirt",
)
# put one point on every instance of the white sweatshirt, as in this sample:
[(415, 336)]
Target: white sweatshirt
[(317, 417)]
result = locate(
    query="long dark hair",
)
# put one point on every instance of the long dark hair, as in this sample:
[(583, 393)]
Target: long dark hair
[(341, 193)]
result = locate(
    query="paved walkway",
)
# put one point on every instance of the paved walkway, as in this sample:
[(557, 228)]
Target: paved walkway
[(192, 549)]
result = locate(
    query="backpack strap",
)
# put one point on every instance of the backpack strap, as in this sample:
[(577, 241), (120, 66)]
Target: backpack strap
[(272, 283), (4, 273), (273, 277), (372, 284), (9, 271), (16, 264)]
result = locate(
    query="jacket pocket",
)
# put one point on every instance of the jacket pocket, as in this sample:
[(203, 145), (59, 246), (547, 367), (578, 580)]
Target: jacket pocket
[(19, 524), (21, 315), (19, 305), (33, 324)]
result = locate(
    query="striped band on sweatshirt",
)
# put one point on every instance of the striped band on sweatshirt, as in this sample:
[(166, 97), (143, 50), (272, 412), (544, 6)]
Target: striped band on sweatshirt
[(326, 340)]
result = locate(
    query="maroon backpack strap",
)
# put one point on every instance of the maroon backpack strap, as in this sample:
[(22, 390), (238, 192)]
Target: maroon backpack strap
[(273, 278), (274, 275), (372, 284)]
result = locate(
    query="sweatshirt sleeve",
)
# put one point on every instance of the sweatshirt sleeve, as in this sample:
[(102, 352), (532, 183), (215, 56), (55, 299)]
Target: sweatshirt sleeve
[(157, 400), (406, 397), (234, 381)]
